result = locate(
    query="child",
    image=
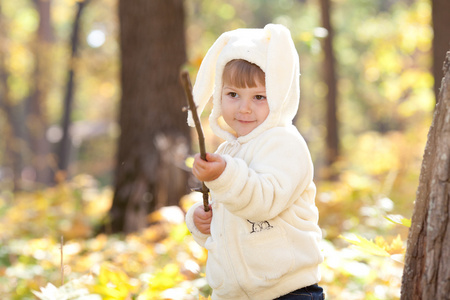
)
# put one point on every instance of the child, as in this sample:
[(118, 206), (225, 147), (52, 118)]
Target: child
[(261, 235)]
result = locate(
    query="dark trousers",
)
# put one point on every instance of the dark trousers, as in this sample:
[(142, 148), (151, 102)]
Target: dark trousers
[(312, 292)]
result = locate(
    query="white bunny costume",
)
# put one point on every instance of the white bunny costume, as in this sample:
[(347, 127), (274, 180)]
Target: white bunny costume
[(264, 239)]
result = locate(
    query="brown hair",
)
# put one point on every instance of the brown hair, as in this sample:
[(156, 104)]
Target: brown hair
[(242, 74)]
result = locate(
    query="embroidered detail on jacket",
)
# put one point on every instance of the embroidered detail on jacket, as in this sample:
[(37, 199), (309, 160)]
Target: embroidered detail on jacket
[(260, 226)]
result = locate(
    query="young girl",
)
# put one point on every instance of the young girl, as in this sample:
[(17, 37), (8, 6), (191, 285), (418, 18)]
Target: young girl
[(261, 235)]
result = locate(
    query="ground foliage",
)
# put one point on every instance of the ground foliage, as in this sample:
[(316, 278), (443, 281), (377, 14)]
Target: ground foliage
[(163, 261)]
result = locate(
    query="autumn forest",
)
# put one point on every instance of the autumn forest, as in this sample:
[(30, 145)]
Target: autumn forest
[(96, 154)]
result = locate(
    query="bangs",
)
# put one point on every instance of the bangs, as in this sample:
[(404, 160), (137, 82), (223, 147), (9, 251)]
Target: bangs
[(241, 74)]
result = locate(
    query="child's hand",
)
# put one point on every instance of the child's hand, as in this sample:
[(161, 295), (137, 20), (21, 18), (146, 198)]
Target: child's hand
[(210, 169), (202, 219)]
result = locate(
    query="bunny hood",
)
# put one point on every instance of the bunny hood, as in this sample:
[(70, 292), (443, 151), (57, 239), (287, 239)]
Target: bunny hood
[(270, 48)]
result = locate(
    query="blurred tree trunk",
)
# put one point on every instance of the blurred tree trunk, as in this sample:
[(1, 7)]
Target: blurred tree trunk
[(26, 145), (66, 140), (329, 74), (14, 132), (427, 263), (154, 136), (36, 119), (45, 29), (441, 39), (13, 135)]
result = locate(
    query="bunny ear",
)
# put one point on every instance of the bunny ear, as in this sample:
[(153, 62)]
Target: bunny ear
[(282, 70), (204, 84)]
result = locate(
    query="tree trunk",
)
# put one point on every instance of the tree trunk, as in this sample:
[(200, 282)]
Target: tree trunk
[(441, 38), (45, 29), (13, 134), (427, 263), (36, 119), (66, 140), (329, 73), (154, 135)]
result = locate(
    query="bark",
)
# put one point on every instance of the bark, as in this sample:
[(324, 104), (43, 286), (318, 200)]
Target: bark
[(427, 263), (441, 39), (329, 74), (154, 135)]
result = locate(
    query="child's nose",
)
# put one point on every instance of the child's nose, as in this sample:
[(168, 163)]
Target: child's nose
[(245, 106)]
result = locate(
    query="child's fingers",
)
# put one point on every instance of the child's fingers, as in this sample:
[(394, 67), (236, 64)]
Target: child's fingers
[(207, 215), (208, 170), (199, 165), (199, 162), (202, 220), (202, 214), (213, 157)]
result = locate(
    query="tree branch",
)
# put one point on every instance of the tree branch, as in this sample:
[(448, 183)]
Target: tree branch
[(198, 126)]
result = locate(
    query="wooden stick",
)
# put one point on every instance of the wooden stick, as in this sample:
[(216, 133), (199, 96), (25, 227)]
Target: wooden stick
[(198, 126)]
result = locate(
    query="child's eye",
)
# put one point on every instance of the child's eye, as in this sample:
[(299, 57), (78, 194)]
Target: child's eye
[(260, 97), (232, 94)]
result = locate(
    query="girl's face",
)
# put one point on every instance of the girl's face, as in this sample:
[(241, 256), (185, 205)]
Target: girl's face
[(244, 109)]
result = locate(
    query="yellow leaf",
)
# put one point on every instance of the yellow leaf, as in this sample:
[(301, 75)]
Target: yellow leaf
[(166, 278), (380, 242), (397, 246), (189, 162), (366, 245), (113, 282)]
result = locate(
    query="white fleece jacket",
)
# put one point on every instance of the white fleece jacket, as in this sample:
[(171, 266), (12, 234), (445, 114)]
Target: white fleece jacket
[(264, 239)]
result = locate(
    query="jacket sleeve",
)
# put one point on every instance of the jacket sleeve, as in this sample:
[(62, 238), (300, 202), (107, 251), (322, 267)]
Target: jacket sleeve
[(279, 171), (199, 237)]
